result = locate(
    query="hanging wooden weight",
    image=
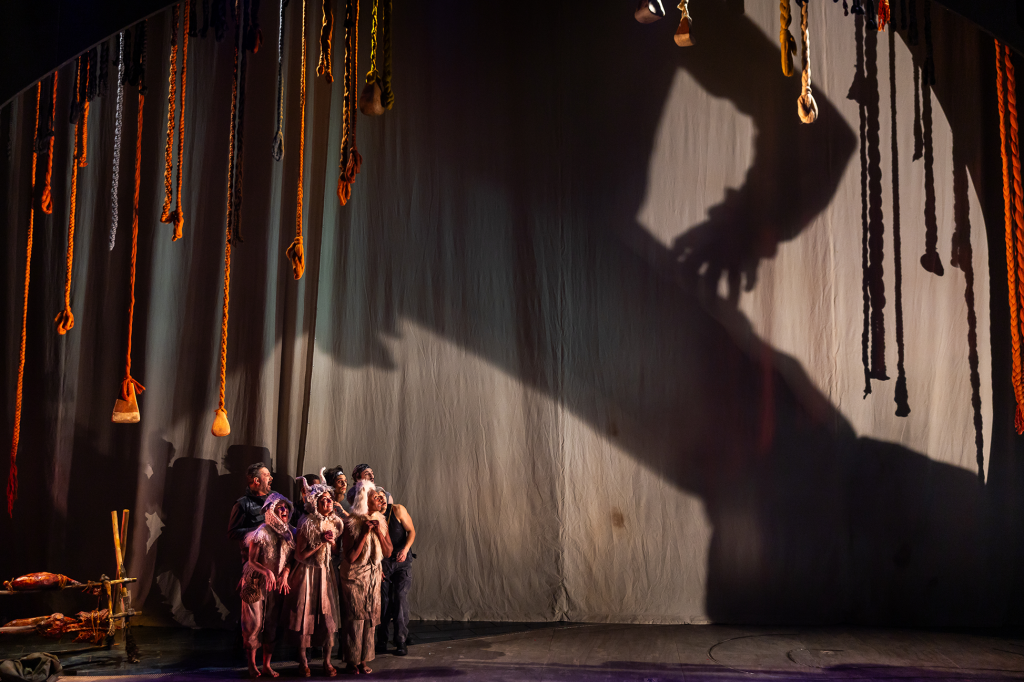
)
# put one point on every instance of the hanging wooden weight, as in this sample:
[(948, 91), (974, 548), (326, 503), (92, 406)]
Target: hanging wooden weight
[(682, 36), (127, 411), (369, 100)]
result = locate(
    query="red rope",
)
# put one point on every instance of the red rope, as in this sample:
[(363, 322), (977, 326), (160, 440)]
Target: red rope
[(128, 380)]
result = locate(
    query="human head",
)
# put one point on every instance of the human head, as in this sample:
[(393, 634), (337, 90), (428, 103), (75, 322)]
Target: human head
[(378, 500), (362, 472), (312, 493), (277, 510), (358, 496), (337, 480), (324, 504), (258, 478)]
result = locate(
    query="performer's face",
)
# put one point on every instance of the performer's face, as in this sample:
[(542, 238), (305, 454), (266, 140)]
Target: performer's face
[(262, 481), (367, 475), (378, 502), (282, 511), (324, 505), (340, 485)]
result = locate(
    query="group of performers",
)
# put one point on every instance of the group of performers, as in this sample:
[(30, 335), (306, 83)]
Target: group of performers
[(344, 566)]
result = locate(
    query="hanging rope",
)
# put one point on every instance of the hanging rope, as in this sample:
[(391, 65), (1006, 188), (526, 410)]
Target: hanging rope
[(12, 476), (165, 213), (103, 83), (295, 251), (1015, 297), (386, 94), (243, 61), (118, 115), (323, 68), (806, 106), (884, 14), (221, 426), (786, 40), (128, 383), (84, 156), (179, 214), (372, 101), (277, 148), (47, 198), (929, 51), (65, 319), (351, 161)]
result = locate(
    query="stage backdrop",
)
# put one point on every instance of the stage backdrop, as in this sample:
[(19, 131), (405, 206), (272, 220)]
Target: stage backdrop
[(626, 338)]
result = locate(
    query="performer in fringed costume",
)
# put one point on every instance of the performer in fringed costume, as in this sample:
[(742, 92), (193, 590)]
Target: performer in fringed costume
[(312, 608), (264, 576), (365, 542)]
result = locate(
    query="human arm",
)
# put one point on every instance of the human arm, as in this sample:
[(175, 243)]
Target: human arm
[(302, 548), (268, 574), (403, 517), (381, 529), (351, 546)]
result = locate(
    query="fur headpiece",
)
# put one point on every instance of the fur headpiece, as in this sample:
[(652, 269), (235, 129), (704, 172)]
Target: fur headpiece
[(310, 494), (359, 497)]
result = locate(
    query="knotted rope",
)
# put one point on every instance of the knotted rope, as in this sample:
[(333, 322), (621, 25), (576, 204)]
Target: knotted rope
[(83, 158), (295, 251), (12, 476), (128, 382), (323, 68), (806, 106), (786, 40), (381, 77), (1014, 230), (165, 213), (884, 14), (351, 160), (277, 147), (47, 198), (118, 116), (179, 214), (65, 320)]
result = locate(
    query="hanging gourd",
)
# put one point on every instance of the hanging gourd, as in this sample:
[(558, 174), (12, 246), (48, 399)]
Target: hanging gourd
[(649, 11), (126, 406), (377, 96), (682, 37), (350, 159)]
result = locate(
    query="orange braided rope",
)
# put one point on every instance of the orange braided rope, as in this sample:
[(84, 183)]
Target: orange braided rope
[(1011, 270), (884, 14), (65, 319), (165, 212), (221, 426), (351, 160), (84, 158), (47, 199), (295, 251), (128, 381), (1018, 196), (12, 476), (179, 215), (323, 68)]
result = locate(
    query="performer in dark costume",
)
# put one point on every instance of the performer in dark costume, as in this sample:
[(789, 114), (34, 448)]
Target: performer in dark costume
[(247, 514), (396, 576), (265, 575)]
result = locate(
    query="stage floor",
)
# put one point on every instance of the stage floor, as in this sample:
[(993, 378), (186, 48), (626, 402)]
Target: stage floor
[(577, 652)]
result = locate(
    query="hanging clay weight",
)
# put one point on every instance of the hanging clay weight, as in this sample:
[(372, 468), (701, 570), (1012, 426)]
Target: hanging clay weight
[(126, 411), (649, 11), (682, 36), (369, 100), (221, 427)]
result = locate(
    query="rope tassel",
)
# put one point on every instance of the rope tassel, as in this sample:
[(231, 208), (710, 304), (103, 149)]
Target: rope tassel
[(12, 476), (806, 106)]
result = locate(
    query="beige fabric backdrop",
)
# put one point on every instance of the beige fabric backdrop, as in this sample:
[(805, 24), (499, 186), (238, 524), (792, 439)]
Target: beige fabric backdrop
[(594, 314)]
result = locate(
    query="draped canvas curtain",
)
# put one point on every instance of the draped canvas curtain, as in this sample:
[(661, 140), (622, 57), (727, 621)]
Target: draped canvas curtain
[(595, 314)]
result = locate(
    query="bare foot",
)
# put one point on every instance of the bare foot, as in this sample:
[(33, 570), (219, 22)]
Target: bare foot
[(304, 670), (351, 669), (330, 670), (267, 670), (364, 669), (253, 672)]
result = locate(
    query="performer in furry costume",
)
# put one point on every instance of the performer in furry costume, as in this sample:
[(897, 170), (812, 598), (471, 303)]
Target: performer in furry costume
[(312, 607), (365, 542), (264, 575)]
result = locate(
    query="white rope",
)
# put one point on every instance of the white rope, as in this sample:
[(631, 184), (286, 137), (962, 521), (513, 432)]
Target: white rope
[(117, 140), (278, 146), (806, 106)]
